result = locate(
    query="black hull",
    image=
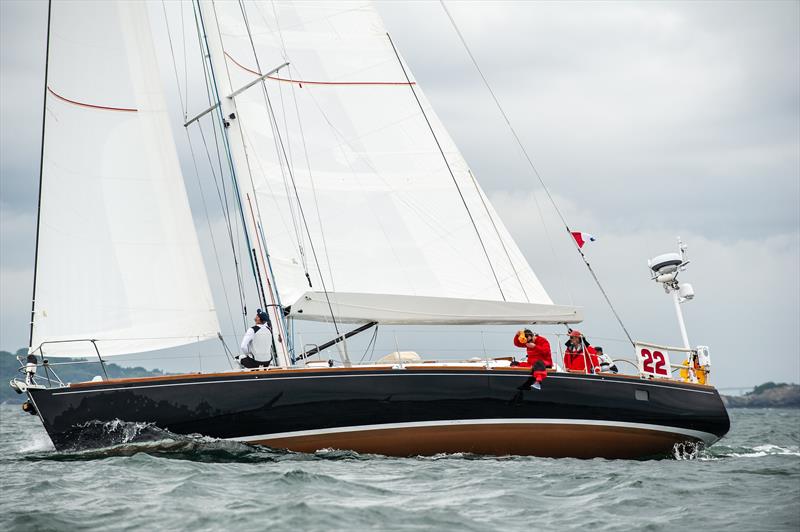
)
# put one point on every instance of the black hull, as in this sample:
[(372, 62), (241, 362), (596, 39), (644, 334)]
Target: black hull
[(412, 411)]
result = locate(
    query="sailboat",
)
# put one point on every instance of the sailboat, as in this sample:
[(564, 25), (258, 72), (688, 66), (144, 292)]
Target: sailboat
[(357, 210)]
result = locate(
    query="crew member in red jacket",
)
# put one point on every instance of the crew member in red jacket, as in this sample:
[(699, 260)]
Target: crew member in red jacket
[(579, 355), (537, 346), (539, 357)]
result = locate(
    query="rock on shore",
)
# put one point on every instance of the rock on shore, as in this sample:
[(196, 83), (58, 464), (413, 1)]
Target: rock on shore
[(768, 395)]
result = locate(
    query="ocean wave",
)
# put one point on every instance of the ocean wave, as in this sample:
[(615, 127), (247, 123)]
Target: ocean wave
[(687, 451), (765, 450), (96, 440), (721, 452), (40, 442)]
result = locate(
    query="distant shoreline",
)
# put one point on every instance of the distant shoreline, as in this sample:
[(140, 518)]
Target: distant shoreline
[(767, 395), (9, 369)]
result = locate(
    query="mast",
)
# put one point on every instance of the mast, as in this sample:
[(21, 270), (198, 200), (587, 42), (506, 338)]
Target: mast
[(234, 146), (41, 173)]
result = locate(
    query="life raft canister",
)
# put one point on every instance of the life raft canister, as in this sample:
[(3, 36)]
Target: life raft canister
[(699, 372)]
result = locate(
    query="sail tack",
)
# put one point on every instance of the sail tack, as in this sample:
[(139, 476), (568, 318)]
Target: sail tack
[(118, 258), (357, 185)]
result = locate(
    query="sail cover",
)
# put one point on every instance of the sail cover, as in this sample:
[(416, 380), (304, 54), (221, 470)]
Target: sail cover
[(118, 256), (336, 159)]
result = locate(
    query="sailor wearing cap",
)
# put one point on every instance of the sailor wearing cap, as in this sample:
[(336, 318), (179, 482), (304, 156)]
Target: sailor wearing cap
[(257, 342), (580, 355)]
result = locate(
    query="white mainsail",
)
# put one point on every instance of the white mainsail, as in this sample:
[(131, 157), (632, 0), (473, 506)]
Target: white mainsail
[(336, 158), (118, 255)]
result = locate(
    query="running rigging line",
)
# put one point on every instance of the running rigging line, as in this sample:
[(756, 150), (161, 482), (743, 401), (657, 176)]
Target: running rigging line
[(533, 167)]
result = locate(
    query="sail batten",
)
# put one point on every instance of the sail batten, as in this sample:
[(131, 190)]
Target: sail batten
[(118, 256)]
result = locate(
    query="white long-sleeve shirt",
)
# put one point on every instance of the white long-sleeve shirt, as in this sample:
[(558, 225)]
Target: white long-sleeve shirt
[(257, 344)]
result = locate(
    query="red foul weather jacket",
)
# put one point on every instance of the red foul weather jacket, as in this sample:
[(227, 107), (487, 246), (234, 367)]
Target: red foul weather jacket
[(575, 358), (539, 349)]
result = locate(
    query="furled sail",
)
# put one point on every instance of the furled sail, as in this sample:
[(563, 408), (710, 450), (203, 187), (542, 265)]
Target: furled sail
[(118, 255), (346, 171)]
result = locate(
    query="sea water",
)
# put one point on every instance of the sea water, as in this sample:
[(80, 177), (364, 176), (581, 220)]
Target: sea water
[(748, 481)]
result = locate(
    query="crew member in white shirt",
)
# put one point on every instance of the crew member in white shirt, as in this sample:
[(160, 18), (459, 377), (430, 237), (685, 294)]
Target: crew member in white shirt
[(257, 342)]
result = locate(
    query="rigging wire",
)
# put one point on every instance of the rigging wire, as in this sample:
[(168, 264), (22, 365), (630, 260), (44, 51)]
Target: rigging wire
[(273, 118), (196, 169), (342, 141), (41, 173), (428, 218), (217, 131), (539, 210), (277, 139), (313, 187), (212, 81), (298, 234), (305, 146), (449, 169), (497, 232), (252, 254), (222, 194), (277, 305), (533, 167), (185, 62), (172, 53)]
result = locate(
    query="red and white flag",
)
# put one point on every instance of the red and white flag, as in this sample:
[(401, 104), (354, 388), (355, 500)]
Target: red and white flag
[(582, 238)]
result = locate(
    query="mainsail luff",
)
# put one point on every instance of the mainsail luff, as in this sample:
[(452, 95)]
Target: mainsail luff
[(388, 207), (118, 256)]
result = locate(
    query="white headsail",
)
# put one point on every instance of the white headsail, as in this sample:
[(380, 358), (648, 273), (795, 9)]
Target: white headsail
[(354, 178), (118, 255)]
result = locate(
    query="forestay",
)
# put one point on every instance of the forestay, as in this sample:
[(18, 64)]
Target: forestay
[(346, 162), (118, 257)]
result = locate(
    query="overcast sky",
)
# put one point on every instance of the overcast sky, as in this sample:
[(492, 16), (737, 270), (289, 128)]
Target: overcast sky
[(646, 120)]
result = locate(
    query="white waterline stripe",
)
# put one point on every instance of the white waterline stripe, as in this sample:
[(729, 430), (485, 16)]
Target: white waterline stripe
[(707, 437), (366, 375)]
